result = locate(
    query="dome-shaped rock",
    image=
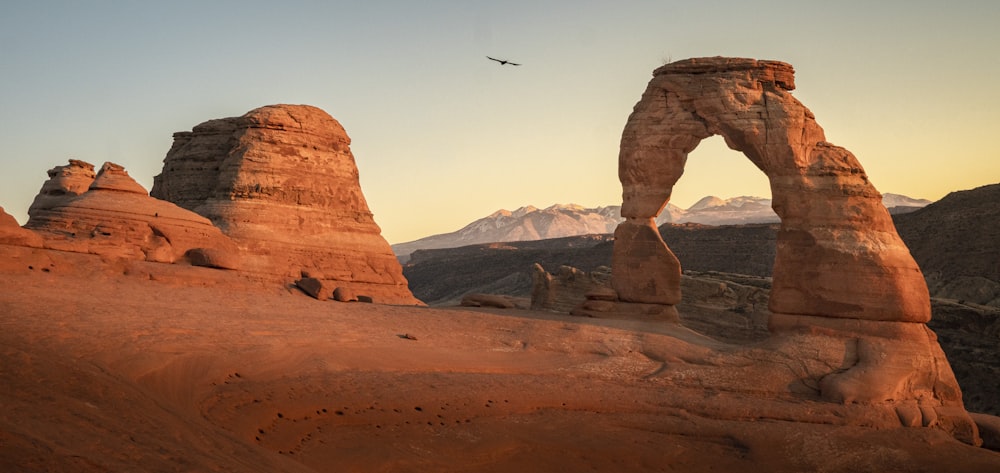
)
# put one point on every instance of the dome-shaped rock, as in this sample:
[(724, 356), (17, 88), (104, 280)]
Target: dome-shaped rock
[(282, 182), (846, 292), (116, 217), (114, 177)]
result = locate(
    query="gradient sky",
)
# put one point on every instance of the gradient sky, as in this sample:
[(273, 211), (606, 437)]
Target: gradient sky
[(442, 136)]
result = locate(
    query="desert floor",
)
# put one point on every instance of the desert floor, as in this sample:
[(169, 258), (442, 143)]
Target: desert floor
[(110, 366)]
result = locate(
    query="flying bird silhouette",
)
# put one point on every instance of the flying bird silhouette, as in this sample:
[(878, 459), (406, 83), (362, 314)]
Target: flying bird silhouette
[(503, 62)]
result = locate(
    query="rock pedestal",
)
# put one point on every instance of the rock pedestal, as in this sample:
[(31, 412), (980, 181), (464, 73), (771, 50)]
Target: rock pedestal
[(282, 182)]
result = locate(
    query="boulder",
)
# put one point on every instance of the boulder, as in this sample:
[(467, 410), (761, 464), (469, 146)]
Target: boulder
[(116, 217), (282, 182), (344, 294), (213, 258), (315, 288)]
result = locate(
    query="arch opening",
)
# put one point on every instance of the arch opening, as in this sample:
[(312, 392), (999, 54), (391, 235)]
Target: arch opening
[(712, 169)]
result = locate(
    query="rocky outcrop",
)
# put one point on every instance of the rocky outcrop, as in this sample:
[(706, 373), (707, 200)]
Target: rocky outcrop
[(567, 288), (64, 183), (12, 234), (282, 182), (843, 279), (494, 300), (116, 217)]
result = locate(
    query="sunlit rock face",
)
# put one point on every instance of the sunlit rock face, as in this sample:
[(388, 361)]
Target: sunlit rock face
[(281, 180), (847, 296), (838, 254), (64, 183), (116, 217), (12, 234)]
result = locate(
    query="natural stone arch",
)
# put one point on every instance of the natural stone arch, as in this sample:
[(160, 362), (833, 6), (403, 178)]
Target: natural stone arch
[(847, 298), (838, 253)]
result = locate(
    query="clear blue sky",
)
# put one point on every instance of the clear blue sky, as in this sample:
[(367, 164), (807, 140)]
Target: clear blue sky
[(443, 136)]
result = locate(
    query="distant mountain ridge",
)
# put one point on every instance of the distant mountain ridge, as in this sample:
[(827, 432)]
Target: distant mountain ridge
[(524, 224), (564, 220)]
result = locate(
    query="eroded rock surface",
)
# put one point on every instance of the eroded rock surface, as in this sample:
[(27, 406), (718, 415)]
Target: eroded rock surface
[(567, 288), (842, 277), (838, 254), (116, 217), (64, 183), (282, 182), (12, 234)]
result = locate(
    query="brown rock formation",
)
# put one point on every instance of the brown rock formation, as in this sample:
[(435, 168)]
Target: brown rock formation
[(12, 234), (842, 276), (838, 253), (64, 183), (282, 182), (494, 300), (116, 217)]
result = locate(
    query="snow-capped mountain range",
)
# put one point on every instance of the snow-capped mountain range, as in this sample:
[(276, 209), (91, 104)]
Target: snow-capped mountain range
[(563, 220)]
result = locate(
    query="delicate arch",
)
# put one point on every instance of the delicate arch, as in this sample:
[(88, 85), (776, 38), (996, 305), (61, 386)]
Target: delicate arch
[(838, 253)]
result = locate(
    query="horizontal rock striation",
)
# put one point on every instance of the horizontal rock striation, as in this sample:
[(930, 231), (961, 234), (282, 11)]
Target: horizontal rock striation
[(838, 254), (116, 217), (282, 182), (64, 183), (13, 234), (567, 288)]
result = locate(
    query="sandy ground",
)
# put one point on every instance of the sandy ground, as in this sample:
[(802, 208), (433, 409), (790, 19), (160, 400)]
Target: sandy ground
[(107, 366)]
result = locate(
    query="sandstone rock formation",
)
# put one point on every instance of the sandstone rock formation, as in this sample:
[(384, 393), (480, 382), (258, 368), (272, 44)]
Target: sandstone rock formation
[(838, 253), (115, 217), (563, 291), (65, 182), (843, 279), (282, 182), (12, 234), (494, 300)]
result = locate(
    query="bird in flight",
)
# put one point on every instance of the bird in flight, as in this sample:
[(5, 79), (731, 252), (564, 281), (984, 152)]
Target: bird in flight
[(503, 62)]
